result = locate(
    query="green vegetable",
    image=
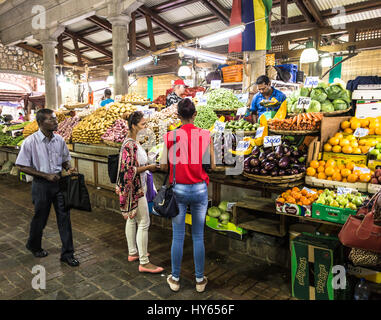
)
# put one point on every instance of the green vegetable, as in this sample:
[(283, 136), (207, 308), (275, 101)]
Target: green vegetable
[(223, 206), (327, 106), (318, 94), (315, 106), (337, 91), (339, 104), (223, 99), (224, 221), (18, 126), (304, 92), (322, 85), (205, 118), (224, 216), (214, 212)]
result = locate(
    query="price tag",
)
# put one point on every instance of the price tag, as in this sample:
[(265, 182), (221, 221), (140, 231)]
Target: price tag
[(199, 94), (241, 111), (243, 145), (259, 132), (362, 170), (202, 101), (244, 97), (142, 108), (215, 84), (361, 132), (219, 126), (311, 82), (342, 190), (118, 98), (272, 141), (309, 190), (304, 103)]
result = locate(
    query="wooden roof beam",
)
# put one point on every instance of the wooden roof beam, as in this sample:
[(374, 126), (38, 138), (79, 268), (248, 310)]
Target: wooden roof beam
[(307, 16), (218, 10), (314, 10), (171, 5)]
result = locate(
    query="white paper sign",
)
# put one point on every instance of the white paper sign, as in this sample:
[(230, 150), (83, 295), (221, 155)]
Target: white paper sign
[(118, 98), (215, 84), (199, 94), (304, 103), (309, 190), (259, 132), (202, 101), (311, 82), (362, 170), (244, 97), (342, 190), (361, 132), (243, 145), (219, 126), (272, 141), (241, 111), (142, 108)]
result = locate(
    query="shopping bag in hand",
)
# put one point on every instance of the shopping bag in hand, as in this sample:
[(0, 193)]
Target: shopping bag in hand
[(75, 192)]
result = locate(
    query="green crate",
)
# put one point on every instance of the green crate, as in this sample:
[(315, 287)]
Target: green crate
[(332, 214)]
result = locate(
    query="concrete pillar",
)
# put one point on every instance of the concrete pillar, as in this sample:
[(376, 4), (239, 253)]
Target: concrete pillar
[(256, 66), (48, 48), (120, 52)]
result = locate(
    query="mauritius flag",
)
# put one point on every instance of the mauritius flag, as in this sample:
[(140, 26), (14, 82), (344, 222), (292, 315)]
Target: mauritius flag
[(255, 14)]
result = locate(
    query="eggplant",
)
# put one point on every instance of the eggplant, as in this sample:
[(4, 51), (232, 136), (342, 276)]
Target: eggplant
[(288, 172), (281, 172), (271, 156), (263, 172), (293, 160), (256, 151), (254, 163), (284, 162), (255, 170), (269, 166), (302, 168), (286, 152), (295, 153), (278, 152), (274, 173), (268, 151), (262, 156)]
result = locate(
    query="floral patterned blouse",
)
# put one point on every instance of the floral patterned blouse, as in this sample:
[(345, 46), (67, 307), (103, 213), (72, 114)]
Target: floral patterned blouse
[(128, 185)]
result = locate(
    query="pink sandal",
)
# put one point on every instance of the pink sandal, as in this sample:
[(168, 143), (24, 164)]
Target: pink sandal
[(134, 258), (157, 270)]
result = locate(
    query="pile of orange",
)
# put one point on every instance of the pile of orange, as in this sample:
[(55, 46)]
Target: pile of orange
[(331, 170), (373, 124), (299, 196), (349, 144)]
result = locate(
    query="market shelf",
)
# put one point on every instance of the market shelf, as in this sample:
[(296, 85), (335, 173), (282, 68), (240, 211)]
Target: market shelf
[(310, 219)]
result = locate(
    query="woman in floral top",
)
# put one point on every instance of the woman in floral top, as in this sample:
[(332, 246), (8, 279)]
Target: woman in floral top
[(131, 187)]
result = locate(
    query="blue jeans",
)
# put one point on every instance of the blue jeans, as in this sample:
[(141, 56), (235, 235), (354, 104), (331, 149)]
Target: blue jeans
[(196, 196)]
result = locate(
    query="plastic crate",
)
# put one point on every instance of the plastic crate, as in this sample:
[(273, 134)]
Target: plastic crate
[(233, 73), (292, 69)]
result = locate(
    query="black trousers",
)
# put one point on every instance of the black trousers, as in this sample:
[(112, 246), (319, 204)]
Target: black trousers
[(44, 194)]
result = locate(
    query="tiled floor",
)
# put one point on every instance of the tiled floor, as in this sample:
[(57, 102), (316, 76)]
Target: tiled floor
[(105, 273)]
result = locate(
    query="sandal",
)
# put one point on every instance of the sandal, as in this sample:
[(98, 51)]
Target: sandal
[(156, 270)]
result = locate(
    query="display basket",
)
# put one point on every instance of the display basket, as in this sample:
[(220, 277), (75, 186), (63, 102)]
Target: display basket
[(325, 114), (285, 180), (75, 106), (294, 132), (112, 143), (136, 103)]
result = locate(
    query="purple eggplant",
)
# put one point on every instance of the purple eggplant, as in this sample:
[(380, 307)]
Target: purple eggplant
[(254, 163), (294, 171), (281, 172), (286, 152), (269, 166), (268, 151), (274, 173), (256, 151), (278, 152), (262, 156), (288, 172), (255, 170), (284, 162), (263, 172), (293, 160), (271, 156)]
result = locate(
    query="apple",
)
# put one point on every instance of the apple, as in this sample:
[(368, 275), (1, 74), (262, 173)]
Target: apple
[(377, 173), (378, 146), (374, 152), (374, 181)]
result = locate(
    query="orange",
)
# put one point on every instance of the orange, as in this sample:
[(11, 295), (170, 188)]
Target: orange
[(336, 149), (336, 176), (327, 147), (322, 176), (339, 135), (378, 131), (304, 192), (307, 202), (371, 131), (345, 125), (329, 171), (351, 138), (365, 149), (329, 178), (331, 163), (295, 189), (320, 169), (344, 142), (299, 203), (365, 177), (311, 171), (344, 180), (345, 172), (334, 141), (355, 124), (347, 149), (352, 178), (362, 142), (314, 164), (281, 200), (350, 165), (364, 123), (341, 166), (348, 130), (354, 144), (321, 163)]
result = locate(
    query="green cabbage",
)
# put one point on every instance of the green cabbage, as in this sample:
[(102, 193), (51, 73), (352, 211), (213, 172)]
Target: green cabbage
[(322, 85), (223, 99), (224, 216), (304, 92), (336, 91), (318, 94), (315, 106), (327, 106), (205, 118), (223, 206), (214, 212), (340, 104)]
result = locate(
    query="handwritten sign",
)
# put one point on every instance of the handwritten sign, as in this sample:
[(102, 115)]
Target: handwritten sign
[(241, 111), (272, 141), (362, 170), (304, 103), (311, 82), (243, 145), (215, 84), (309, 190), (202, 101), (199, 94), (361, 132), (342, 190), (219, 126), (259, 132), (243, 97)]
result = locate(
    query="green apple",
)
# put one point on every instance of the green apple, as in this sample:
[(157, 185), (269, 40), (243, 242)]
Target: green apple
[(378, 146), (374, 152), (352, 206), (379, 157)]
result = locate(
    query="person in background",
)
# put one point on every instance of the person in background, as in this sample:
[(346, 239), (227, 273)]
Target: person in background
[(178, 90), (21, 117), (131, 188), (43, 155), (190, 189), (107, 98), (266, 92)]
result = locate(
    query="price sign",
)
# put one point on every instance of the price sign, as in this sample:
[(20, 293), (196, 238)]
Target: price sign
[(304, 103), (230, 206), (309, 190), (244, 97), (259, 132), (118, 98), (272, 141), (202, 101), (199, 94), (311, 82), (148, 112), (241, 111), (215, 84), (342, 190), (243, 145), (219, 126), (362, 170), (142, 108), (361, 132)]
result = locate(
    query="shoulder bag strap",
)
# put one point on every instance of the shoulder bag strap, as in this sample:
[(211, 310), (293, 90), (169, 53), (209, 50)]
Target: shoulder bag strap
[(174, 159)]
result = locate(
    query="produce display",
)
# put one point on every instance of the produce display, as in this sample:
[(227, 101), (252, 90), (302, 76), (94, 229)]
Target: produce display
[(347, 144), (60, 116), (351, 201), (220, 212), (117, 132), (372, 124), (157, 106), (223, 142), (334, 171), (189, 91), (376, 177), (205, 118), (66, 127), (302, 197), (375, 154), (163, 120), (241, 124), (283, 160), (133, 97), (30, 128), (17, 126), (301, 122), (7, 140), (324, 98), (161, 100), (223, 99), (84, 113)]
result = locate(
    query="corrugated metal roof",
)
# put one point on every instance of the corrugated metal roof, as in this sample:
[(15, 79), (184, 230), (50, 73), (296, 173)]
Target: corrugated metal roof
[(71, 59), (355, 17), (190, 11), (141, 25), (204, 29), (93, 54), (226, 3), (151, 3), (329, 4), (80, 25), (293, 11), (159, 39), (99, 36)]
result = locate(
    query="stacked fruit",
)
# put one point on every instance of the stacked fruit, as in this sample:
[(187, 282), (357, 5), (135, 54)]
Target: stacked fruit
[(300, 197), (336, 171), (346, 144), (372, 124), (347, 201), (376, 177)]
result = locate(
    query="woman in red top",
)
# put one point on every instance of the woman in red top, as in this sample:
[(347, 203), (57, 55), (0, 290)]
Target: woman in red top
[(192, 145)]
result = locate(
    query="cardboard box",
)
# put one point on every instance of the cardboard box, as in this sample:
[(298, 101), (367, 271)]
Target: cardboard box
[(295, 209), (332, 214), (366, 273), (374, 188), (329, 127), (344, 158), (372, 164), (312, 259), (359, 186), (368, 109)]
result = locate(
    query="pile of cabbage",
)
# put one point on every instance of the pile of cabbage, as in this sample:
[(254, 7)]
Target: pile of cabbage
[(325, 98)]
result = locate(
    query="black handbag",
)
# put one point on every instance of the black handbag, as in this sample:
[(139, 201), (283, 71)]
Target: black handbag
[(75, 193), (165, 204), (112, 166)]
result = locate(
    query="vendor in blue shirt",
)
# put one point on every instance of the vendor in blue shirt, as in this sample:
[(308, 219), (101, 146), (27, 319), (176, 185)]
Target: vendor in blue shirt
[(107, 98), (266, 92)]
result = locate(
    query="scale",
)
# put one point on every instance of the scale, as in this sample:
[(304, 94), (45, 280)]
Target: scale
[(367, 99)]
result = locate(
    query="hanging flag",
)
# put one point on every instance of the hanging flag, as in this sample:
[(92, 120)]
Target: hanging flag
[(255, 14)]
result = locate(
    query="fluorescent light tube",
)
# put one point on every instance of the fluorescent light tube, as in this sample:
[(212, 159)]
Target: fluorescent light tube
[(137, 63), (228, 33), (202, 54)]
